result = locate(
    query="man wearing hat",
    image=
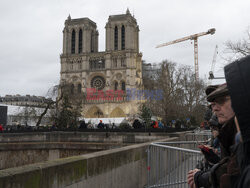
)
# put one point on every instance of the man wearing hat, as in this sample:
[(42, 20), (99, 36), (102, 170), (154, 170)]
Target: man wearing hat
[(220, 101)]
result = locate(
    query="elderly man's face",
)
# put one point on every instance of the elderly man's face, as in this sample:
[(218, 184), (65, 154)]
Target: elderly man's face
[(222, 108)]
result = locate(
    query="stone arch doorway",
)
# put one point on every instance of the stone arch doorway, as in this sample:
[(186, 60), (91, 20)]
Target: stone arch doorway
[(94, 112), (117, 112)]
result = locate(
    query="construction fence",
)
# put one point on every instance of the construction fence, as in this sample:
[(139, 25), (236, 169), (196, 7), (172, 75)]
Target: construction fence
[(169, 162)]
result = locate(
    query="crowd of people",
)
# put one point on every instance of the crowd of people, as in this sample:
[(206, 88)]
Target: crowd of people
[(228, 157)]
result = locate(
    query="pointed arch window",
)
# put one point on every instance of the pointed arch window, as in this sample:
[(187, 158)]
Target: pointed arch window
[(79, 88), (115, 62), (123, 37), (92, 42), (79, 65), (73, 41), (116, 38), (116, 86), (80, 42), (72, 89), (71, 65), (123, 62), (123, 86)]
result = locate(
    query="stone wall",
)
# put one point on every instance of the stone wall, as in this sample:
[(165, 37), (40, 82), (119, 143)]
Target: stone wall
[(100, 137), (19, 149), (18, 154), (124, 167)]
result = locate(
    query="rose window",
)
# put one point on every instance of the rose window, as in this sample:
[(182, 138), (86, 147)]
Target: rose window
[(98, 82)]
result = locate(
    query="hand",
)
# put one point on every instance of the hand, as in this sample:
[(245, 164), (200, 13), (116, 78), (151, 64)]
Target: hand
[(216, 151), (190, 177), (206, 146)]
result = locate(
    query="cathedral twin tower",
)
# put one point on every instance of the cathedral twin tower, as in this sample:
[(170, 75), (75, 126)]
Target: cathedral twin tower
[(118, 68)]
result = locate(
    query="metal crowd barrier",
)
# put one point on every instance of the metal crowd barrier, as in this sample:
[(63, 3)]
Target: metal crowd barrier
[(198, 135), (169, 162)]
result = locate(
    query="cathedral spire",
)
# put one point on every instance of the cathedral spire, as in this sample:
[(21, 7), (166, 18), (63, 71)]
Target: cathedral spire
[(127, 12), (69, 17)]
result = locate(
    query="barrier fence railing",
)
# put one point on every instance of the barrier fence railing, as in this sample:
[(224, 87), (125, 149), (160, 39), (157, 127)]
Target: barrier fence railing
[(198, 136), (169, 162)]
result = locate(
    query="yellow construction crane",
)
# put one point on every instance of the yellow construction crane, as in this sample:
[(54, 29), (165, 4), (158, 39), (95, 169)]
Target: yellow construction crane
[(195, 39)]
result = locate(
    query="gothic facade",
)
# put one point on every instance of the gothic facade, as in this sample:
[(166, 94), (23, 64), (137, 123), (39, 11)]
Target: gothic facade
[(116, 69)]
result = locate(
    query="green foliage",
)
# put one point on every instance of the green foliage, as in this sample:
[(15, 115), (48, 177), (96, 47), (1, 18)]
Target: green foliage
[(67, 116), (124, 125), (145, 114)]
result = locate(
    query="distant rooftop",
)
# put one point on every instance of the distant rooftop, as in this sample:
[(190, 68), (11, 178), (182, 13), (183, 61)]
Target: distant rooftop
[(27, 100)]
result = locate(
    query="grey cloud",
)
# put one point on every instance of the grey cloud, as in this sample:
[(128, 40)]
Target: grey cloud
[(31, 34)]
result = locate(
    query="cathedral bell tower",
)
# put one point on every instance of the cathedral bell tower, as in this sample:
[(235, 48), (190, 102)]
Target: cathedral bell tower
[(122, 33), (117, 69), (79, 36)]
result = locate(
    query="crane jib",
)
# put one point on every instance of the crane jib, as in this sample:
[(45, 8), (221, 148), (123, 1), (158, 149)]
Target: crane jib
[(195, 38)]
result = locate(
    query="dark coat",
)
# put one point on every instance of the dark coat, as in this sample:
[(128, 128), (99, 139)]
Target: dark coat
[(227, 137), (244, 181), (83, 125), (238, 82), (226, 166), (238, 78), (100, 125)]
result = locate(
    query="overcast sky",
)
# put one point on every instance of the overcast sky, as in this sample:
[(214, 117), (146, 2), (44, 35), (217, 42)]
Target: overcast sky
[(31, 34)]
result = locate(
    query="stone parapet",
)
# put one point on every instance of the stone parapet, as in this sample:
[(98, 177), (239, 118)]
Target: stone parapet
[(122, 167)]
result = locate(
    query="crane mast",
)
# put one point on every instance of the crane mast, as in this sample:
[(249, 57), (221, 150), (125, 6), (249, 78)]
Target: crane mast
[(195, 39), (214, 58), (211, 72)]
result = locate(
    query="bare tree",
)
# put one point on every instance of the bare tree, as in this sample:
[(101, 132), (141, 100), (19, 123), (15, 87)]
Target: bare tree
[(238, 49), (49, 105), (182, 95), (27, 115), (193, 95), (68, 106)]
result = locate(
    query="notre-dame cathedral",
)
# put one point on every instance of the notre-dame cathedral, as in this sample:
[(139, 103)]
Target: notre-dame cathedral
[(117, 69)]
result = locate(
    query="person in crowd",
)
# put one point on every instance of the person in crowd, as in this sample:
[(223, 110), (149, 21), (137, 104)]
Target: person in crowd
[(90, 126), (237, 75), (113, 126), (100, 125), (207, 116), (210, 151), (1, 128), (137, 124), (53, 127), (160, 124), (214, 125), (83, 125), (221, 106), (154, 124)]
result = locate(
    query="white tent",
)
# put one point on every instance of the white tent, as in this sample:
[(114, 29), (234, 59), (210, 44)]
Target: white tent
[(95, 121)]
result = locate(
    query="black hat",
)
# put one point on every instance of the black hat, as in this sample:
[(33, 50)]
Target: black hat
[(220, 91), (211, 88), (238, 78)]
